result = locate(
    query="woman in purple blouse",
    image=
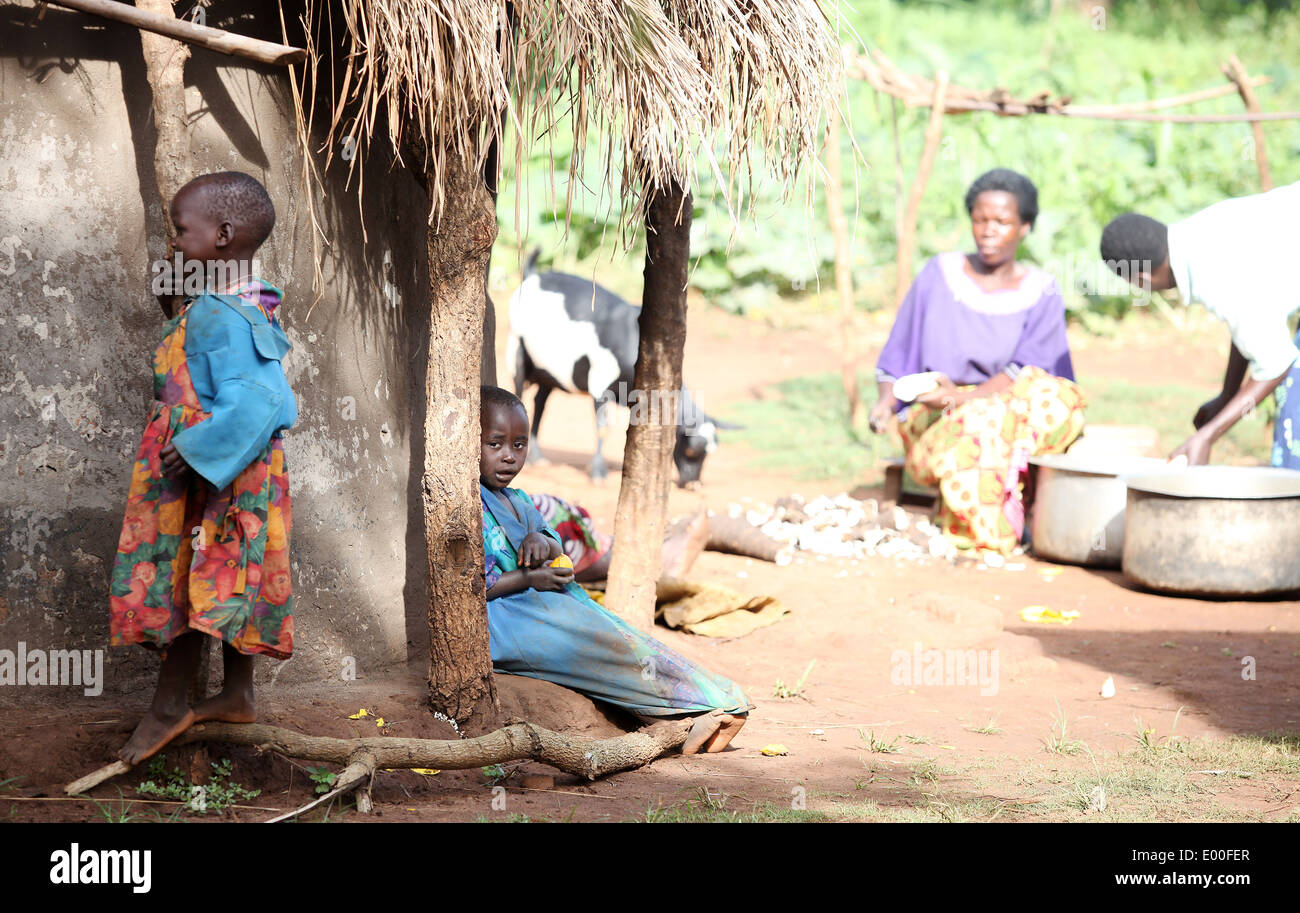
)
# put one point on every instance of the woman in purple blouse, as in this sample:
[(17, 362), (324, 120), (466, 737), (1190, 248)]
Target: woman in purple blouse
[(987, 334)]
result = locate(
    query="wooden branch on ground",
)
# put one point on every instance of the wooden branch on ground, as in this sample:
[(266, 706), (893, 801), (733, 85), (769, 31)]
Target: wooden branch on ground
[(589, 758), (1235, 72), (737, 536), (218, 40)]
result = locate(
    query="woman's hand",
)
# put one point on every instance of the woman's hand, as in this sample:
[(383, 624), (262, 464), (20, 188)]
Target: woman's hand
[(172, 461), (881, 413), (535, 550), (1196, 448), (549, 578), (944, 396)]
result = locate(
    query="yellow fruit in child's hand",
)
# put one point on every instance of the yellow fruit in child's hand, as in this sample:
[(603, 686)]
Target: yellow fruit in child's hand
[(562, 561)]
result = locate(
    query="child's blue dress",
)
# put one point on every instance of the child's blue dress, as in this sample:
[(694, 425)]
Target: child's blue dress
[(566, 638)]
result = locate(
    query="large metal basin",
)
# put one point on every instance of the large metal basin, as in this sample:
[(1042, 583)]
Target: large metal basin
[(1214, 530), (1079, 506)]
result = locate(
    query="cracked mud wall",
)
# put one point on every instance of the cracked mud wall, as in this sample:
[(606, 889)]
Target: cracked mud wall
[(80, 223)]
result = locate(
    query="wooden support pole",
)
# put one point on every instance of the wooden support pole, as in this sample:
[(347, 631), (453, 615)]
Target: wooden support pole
[(222, 42), (459, 244), (1234, 70), (907, 237), (652, 432), (843, 273)]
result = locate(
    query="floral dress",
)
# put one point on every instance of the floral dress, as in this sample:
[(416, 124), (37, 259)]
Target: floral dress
[(192, 557)]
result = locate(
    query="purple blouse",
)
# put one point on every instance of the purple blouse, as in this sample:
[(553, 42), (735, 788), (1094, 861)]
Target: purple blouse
[(948, 323)]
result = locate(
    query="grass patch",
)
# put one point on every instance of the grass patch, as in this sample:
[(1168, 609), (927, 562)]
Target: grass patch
[(1168, 779), (878, 746), (1169, 409), (802, 429), (786, 692)]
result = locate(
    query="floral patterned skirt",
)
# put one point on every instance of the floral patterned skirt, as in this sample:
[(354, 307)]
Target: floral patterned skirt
[(581, 542), (191, 558), (977, 454)]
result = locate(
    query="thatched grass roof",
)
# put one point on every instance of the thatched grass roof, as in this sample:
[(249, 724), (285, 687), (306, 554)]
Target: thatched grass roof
[(666, 84)]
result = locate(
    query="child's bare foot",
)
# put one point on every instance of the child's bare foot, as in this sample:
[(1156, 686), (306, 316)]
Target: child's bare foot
[(731, 724), (684, 543), (153, 734), (235, 702), (227, 707), (706, 726), (170, 714)]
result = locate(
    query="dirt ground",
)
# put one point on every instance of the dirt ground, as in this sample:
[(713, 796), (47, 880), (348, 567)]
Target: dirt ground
[(863, 742)]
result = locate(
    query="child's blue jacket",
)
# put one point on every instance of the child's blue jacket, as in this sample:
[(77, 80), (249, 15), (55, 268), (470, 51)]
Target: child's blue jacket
[(233, 355)]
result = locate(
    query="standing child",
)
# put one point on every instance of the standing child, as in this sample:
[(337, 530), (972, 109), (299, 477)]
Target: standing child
[(204, 550), (542, 624)]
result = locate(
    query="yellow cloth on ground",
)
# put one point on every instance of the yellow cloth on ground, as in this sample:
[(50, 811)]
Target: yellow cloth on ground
[(712, 610)]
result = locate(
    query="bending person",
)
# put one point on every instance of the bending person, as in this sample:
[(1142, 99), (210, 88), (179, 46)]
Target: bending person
[(1231, 257)]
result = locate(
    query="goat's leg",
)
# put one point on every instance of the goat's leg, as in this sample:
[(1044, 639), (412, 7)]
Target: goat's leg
[(535, 455), (599, 470)]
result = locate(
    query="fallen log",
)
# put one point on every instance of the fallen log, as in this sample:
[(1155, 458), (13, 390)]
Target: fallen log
[(737, 536), (518, 741)]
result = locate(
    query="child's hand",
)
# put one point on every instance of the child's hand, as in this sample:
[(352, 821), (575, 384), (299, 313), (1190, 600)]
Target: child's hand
[(535, 550), (548, 578), (172, 461)]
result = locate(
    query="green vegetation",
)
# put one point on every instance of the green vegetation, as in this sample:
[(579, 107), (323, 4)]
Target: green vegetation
[(218, 794), (878, 746), (802, 430), (1087, 171), (323, 777), (784, 692)]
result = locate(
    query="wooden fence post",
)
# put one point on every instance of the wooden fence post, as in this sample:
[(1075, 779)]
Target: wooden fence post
[(907, 237)]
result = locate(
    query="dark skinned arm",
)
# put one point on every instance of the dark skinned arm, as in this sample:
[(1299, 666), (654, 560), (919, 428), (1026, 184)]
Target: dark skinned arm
[(1197, 447), (1233, 375), (535, 554), (539, 578), (886, 405)]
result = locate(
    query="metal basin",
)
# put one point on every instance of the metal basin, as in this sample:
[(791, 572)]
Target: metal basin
[(1214, 530), (1079, 506)]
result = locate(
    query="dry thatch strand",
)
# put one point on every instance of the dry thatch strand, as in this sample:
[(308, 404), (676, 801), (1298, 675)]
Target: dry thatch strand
[(665, 83)]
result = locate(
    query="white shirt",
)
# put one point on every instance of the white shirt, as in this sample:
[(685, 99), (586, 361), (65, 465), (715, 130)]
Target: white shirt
[(1238, 258)]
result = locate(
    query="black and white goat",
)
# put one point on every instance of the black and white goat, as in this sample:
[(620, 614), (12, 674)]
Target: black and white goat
[(569, 333)]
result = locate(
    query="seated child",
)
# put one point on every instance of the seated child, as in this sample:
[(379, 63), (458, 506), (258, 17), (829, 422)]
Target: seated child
[(204, 546), (543, 625)]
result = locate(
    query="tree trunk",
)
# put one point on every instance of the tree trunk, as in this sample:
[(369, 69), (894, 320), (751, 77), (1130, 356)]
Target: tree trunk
[(460, 241), (647, 457), (843, 273), (164, 66)]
